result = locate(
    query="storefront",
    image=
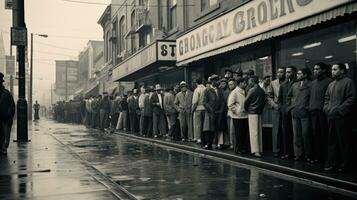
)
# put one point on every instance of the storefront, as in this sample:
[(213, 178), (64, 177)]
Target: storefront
[(155, 63), (262, 35)]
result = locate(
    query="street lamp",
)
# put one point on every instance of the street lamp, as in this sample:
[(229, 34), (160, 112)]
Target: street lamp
[(31, 73)]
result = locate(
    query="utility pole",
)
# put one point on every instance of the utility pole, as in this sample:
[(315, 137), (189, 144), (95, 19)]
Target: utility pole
[(11, 77), (31, 73), (31, 80), (18, 13)]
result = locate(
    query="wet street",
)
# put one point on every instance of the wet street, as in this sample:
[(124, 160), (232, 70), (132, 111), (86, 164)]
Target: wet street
[(71, 162)]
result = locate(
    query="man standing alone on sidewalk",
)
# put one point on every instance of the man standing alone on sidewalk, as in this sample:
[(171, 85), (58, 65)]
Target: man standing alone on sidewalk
[(36, 107), (7, 107)]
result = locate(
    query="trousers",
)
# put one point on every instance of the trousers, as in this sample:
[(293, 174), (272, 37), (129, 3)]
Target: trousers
[(255, 133)]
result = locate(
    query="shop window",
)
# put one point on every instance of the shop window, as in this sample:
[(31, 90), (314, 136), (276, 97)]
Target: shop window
[(256, 57), (330, 45)]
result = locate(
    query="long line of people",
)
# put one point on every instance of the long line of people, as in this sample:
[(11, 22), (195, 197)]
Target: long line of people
[(311, 120)]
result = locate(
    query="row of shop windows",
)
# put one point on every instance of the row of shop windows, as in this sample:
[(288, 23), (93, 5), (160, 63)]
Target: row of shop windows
[(335, 43)]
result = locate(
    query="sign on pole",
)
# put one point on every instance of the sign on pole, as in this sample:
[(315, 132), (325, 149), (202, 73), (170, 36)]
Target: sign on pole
[(8, 4), (18, 36)]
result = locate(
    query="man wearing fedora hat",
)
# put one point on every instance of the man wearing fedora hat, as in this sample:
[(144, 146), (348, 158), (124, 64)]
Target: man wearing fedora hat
[(7, 107), (210, 103), (183, 104), (157, 102)]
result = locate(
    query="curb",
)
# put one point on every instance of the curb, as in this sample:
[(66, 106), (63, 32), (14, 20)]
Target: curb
[(338, 184)]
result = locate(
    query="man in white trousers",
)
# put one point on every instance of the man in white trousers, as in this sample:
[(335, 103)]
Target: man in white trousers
[(254, 105)]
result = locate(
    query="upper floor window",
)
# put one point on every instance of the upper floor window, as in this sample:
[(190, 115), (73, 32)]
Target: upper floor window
[(121, 35), (108, 53), (132, 38), (205, 4), (173, 14)]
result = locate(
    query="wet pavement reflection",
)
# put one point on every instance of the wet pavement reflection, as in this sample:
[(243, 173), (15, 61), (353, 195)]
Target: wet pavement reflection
[(152, 172), (42, 169)]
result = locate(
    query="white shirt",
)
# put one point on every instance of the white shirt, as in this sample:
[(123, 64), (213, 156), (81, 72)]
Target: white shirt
[(160, 100)]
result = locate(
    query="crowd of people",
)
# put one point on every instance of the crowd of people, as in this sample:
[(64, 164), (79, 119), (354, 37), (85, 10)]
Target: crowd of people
[(311, 115)]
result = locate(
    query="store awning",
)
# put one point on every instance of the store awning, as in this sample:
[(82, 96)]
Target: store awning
[(94, 90), (303, 23), (158, 54)]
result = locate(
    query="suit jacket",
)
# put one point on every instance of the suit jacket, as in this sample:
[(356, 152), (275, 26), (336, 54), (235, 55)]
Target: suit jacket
[(147, 111), (273, 94), (255, 100), (183, 103), (133, 104), (169, 103), (340, 98), (283, 96), (156, 108), (298, 99)]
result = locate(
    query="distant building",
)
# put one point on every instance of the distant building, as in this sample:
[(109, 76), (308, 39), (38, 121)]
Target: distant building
[(67, 78), (90, 65)]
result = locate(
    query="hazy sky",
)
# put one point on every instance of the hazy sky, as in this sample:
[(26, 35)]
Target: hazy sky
[(69, 25)]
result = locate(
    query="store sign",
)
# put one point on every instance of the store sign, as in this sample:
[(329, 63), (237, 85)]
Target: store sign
[(253, 18), (166, 50), (159, 51)]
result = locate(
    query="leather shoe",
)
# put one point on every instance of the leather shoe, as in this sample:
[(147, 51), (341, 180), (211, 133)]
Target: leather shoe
[(258, 155), (276, 155), (329, 169), (208, 147), (286, 156), (297, 158)]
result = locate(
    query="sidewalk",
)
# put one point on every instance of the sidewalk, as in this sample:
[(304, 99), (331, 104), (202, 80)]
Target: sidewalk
[(46, 169), (303, 170)]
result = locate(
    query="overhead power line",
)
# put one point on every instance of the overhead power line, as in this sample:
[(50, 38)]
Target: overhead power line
[(52, 53), (116, 4), (55, 46)]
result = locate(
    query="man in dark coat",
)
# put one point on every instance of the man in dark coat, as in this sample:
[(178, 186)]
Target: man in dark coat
[(36, 107), (220, 115), (339, 101), (104, 109), (210, 103), (159, 121), (147, 113), (133, 106), (7, 108), (298, 101), (318, 118), (287, 130)]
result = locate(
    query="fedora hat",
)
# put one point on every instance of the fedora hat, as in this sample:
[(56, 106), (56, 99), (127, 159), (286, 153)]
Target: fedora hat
[(183, 84), (158, 87)]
